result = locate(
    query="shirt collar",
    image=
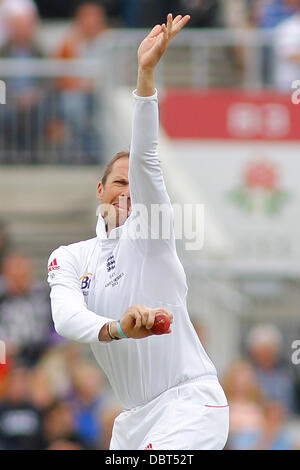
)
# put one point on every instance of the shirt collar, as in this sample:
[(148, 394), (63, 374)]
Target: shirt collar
[(101, 230)]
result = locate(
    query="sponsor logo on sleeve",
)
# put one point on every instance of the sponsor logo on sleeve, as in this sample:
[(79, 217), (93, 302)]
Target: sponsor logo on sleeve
[(85, 283), (53, 266)]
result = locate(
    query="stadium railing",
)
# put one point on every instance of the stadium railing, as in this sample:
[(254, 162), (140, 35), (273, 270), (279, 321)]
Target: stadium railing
[(70, 126)]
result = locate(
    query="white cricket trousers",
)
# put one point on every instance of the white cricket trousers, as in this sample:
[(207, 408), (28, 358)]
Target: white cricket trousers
[(191, 416)]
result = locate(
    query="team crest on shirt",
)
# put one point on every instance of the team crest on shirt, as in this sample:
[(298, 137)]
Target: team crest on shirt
[(110, 263), (113, 276), (85, 283)]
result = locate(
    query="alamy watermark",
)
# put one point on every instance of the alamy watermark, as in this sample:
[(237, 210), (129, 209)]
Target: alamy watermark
[(159, 222), (296, 354), (296, 94)]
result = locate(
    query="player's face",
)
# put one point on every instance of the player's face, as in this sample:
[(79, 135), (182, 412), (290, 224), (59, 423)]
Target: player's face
[(114, 195)]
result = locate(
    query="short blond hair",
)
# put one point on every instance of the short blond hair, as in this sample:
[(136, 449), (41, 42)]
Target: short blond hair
[(109, 166)]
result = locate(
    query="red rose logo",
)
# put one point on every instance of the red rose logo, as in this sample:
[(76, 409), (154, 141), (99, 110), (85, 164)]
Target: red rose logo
[(260, 190), (261, 175)]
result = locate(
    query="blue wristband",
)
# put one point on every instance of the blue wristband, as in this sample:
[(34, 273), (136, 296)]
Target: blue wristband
[(120, 331)]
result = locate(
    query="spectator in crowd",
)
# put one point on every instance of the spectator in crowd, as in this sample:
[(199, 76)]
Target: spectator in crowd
[(287, 51), (237, 13), (24, 114), (88, 403), (264, 14), (59, 430), (58, 363), (84, 38), (41, 392), (264, 345), (270, 13), (85, 391), (78, 102), (25, 317), (20, 421), (245, 399), (5, 7), (274, 435)]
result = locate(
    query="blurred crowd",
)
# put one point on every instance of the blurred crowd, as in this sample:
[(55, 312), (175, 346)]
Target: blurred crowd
[(54, 396), (205, 13), (60, 113), (43, 114), (261, 388)]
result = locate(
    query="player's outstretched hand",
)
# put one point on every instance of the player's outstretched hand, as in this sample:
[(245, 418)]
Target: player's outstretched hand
[(156, 43), (138, 321)]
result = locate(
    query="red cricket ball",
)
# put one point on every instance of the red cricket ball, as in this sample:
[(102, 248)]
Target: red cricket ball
[(161, 324)]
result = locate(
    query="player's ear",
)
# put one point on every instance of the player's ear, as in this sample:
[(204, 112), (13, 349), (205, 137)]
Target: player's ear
[(100, 189)]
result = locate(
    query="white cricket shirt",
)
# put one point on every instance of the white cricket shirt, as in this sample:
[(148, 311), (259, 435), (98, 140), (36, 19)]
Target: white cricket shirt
[(96, 281)]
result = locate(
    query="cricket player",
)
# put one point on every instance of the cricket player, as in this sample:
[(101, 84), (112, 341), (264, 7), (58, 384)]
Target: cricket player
[(106, 292)]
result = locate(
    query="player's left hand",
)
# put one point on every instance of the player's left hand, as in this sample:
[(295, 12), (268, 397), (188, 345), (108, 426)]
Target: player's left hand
[(156, 43)]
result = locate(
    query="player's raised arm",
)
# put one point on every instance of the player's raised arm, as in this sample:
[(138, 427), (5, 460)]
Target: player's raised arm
[(153, 48), (145, 176)]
